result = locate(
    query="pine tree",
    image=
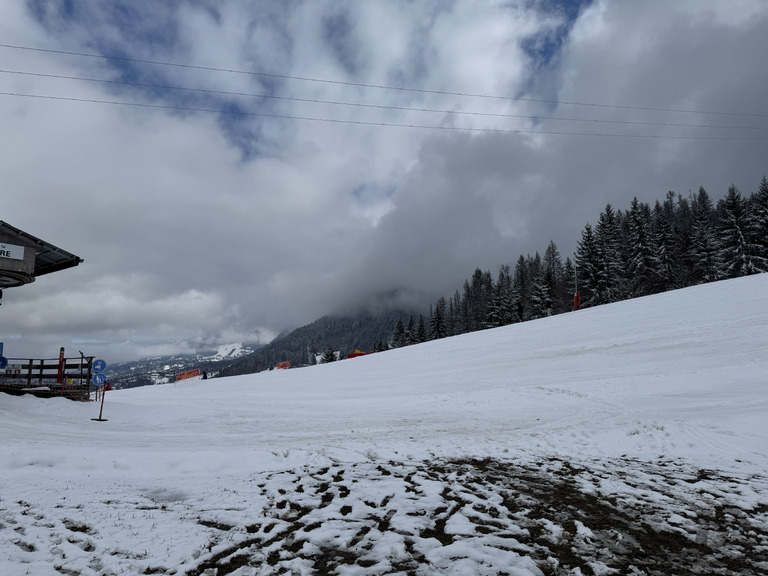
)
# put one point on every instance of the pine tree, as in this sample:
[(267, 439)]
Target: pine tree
[(520, 290), (539, 298), (437, 327), (672, 234), (441, 311), (411, 335), (507, 294), (493, 317), (609, 266), (704, 262), (587, 267), (421, 330), (553, 278), (736, 250), (640, 265), (450, 320), (568, 288), (663, 237), (398, 337), (460, 313), (683, 225), (500, 308), (477, 295), (486, 293), (465, 312), (758, 203)]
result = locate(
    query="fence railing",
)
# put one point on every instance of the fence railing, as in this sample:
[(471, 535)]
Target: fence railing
[(49, 377)]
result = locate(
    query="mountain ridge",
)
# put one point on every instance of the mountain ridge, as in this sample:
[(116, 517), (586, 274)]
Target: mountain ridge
[(343, 333)]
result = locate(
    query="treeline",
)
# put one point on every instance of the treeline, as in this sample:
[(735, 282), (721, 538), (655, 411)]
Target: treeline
[(679, 242)]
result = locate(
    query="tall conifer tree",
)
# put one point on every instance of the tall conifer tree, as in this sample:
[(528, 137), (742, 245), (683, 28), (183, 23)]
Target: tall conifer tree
[(609, 263), (640, 267), (704, 251), (759, 224), (736, 250), (587, 267)]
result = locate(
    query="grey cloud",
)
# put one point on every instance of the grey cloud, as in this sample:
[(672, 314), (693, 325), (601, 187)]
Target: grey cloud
[(186, 238)]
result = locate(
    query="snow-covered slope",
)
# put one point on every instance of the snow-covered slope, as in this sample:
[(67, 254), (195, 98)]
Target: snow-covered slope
[(675, 382)]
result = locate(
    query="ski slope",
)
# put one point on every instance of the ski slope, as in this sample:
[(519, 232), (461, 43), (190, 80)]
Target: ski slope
[(653, 410)]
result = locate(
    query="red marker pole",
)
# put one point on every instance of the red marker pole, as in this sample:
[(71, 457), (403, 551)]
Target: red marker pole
[(61, 365)]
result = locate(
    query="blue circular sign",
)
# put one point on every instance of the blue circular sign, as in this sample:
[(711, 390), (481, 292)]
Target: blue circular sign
[(99, 379), (99, 365), (3, 361)]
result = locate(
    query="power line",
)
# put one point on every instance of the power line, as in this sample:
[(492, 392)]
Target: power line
[(379, 106), (366, 123), (377, 86)]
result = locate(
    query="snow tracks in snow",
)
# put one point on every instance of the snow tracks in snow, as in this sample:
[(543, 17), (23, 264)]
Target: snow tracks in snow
[(499, 517), (543, 516)]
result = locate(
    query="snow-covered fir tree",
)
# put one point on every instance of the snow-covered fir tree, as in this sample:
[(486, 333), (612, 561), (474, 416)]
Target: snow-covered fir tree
[(705, 248), (664, 249), (758, 207), (587, 267), (520, 289), (554, 279), (641, 262), (398, 337), (437, 328), (411, 336), (421, 330), (609, 264), (500, 308), (736, 249)]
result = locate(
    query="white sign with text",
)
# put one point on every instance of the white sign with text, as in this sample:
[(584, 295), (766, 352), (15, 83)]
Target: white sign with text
[(11, 251)]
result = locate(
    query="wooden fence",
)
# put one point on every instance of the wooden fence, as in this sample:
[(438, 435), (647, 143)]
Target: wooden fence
[(41, 377)]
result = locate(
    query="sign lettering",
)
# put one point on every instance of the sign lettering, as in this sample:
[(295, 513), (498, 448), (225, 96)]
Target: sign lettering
[(11, 251)]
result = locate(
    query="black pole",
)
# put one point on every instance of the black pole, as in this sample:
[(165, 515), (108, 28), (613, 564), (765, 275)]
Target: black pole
[(103, 393)]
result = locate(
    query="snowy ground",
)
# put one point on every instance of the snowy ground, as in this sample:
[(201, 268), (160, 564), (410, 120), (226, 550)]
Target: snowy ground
[(627, 439)]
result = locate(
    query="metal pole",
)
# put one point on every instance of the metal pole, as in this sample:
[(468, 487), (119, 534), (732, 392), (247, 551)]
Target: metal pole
[(101, 410), (103, 393)]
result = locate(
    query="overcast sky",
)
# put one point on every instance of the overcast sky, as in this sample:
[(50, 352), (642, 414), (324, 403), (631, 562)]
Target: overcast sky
[(231, 169)]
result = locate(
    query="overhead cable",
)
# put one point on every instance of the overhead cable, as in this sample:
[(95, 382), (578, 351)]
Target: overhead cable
[(376, 86), (367, 123), (536, 117)]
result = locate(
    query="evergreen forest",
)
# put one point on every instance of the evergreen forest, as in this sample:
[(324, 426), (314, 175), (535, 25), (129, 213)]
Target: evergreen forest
[(642, 250)]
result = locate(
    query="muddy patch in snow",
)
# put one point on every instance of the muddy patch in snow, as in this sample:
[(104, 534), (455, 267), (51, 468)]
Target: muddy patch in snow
[(472, 516), (498, 517)]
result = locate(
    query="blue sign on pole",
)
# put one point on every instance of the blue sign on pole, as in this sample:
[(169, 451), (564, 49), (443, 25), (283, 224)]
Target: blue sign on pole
[(99, 379), (3, 361), (99, 365), (1, 348)]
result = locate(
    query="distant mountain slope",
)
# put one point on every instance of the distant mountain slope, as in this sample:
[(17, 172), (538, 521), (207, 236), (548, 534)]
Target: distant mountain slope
[(345, 334), (163, 369)]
